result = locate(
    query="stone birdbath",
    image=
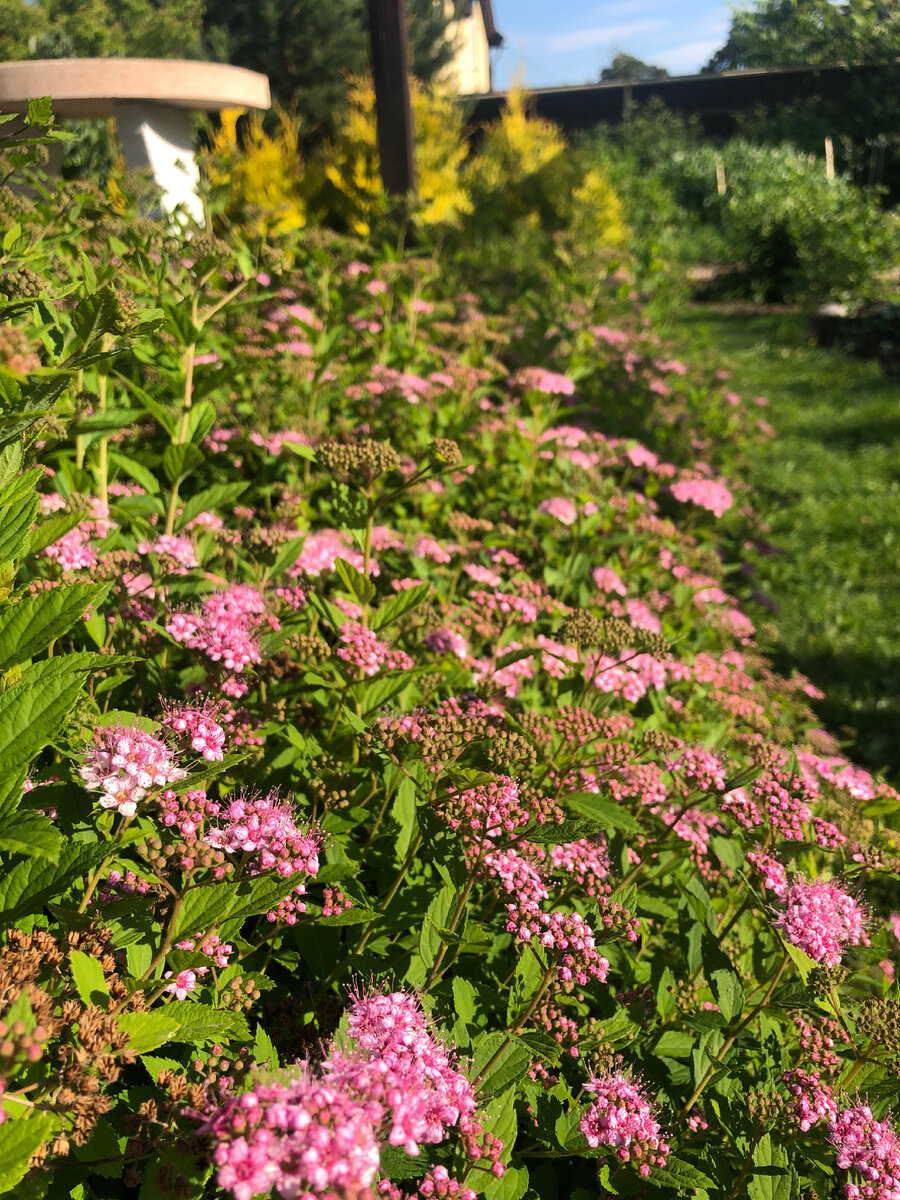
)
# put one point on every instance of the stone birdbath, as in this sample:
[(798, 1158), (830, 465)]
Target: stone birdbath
[(151, 100)]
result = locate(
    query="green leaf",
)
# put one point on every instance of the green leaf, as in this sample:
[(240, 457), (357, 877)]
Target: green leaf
[(605, 812), (398, 606), (264, 1052), (801, 960), (514, 656), (11, 458), (436, 918), (39, 111), (357, 915), (775, 1178), (50, 530), (729, 993), (681, 1175), (201, 418), (138, 472), (30, 625), (107, 422), (509, 1061), (95, 315), (138, 957), (181, 460), (526, 981), (89, 978), (211, 499), (19, 1139), (148, 1030), (12, 789), (463, 999), (403, 811), (29, 884), (35, 835), (32, 713), (666, 999), (199, 1023), (15, 525), (360, 588)]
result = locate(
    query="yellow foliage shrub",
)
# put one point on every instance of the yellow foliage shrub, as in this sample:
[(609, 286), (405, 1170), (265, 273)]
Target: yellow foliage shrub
[(262, 175)]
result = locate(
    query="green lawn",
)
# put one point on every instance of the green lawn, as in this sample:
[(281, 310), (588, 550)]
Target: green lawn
[(829, 487)]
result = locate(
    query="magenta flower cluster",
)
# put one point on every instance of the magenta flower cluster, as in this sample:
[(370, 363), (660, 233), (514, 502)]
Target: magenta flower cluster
[(869, 1150), (319, 1131), (622, 1118)]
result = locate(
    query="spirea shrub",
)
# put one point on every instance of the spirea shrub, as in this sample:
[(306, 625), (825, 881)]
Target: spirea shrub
[(393, 799)]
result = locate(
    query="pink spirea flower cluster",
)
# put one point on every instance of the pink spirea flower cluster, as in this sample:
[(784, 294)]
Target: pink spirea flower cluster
[(566, 937), (265, 827), (310, 1132), (125, 765), (209, 944), (821, 919), (622, 1118), (710, 494), (226, 627), (447, 641), (321, 551), (198, 728), (869, 1150), (362, 648), (811, 1100), (560, 508), (548, 383)]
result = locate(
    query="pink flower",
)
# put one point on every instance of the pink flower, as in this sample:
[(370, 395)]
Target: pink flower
[(549, 383), (125, 765), (361, 648), (184, 982), (608, 580), (868, 1149), (562, 509), (821, 919), (705, 493), (622, 1118), (197, 724)]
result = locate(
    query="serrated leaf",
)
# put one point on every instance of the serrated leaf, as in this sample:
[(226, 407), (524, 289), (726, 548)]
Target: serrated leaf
[(89, 978), (12, 789), (398, 606), (29, 884), (11, 459), (264, 1052), (680, 1174), (605, 812), (357, 915), (95, 315), (729, 992), (436, 918), (508, 1060), (147, 1030), (50, 530), (463, 999), (30, 625), (15, 525), (801, 960), (180, 460), (34, 835), (211, 499), (199, 1023), (32, 713), (19, 1139), (360, 588)]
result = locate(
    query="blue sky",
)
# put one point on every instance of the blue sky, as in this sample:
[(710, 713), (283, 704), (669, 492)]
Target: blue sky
[(569, 41)]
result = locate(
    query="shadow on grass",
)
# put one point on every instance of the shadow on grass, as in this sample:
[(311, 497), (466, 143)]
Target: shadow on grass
[(862, 700), (882, 432)]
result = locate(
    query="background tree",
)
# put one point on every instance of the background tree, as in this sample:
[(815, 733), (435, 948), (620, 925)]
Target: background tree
[(100, 29), (781, 33), (627, 68)]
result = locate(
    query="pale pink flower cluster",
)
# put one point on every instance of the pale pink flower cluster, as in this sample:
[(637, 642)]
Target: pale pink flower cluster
[(560, 508), (73, 551), (322, 550), (622, 1118), (431, 548), (516, 874), (362, 648), (710, 494), (868, 1149), (587, 861), (548, 383), (184, 982), (125, 765), (816, 916), (608, 580), (394, 1057), (178, 553), (205, 735)]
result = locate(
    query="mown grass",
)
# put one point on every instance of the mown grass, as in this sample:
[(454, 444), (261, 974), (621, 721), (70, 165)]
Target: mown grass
[(828, 486)]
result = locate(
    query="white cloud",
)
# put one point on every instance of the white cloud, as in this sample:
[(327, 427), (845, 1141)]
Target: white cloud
[(689, 57), (601, 36)]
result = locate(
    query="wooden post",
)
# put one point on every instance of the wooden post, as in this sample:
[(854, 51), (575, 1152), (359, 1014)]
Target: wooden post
[(829, 158), (721, 185), (393, 112)]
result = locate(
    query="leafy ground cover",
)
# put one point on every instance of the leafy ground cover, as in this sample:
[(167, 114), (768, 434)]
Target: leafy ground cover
[(394, 799), (828, 489)]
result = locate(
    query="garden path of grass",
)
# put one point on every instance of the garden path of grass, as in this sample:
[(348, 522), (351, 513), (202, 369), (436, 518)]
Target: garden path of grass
[(829, 488)]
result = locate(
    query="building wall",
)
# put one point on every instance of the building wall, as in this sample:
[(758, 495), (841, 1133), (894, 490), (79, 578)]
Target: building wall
[(470, 71)]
